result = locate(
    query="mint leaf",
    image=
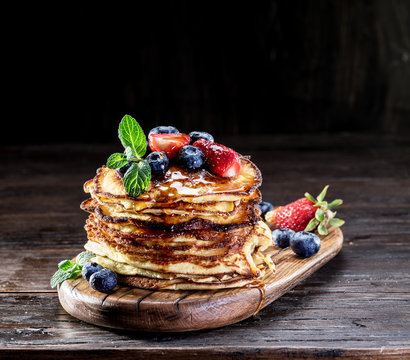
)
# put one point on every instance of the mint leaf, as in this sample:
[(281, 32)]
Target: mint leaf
[(131, 134), (61, 275), (69, 269), (66, 265), (137, 178), (116, 161), (83, 257), (75, 272), (128, 153)]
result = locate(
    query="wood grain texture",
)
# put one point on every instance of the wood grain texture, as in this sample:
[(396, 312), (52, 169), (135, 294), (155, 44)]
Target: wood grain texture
[(145, 310), (355, 306)]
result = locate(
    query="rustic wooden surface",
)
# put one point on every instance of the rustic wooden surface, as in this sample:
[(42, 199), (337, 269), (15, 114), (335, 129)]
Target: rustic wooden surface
[(356, 306), (128, 308)]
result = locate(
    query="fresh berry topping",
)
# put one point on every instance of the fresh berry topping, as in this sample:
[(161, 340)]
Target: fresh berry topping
[(103, 280), (164, 130), (196, 135), (221, 160), (265, 207), (122, 170), (191, 157), (159, 163), (89, 269), (306, 214), (168, 143), (305, 244), (281, 237)]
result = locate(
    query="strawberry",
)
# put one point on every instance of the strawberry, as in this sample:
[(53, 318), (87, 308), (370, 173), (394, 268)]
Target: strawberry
[(306, 214), (222, 161), (168, 143), (294, 216)]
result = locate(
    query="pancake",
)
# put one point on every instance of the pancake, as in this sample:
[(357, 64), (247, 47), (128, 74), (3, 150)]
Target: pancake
[(189, 230), (177, 185), (183, 284), (233, 251), (243, 215)]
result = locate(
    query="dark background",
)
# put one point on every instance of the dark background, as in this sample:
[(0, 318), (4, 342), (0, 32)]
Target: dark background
[(227, 67)]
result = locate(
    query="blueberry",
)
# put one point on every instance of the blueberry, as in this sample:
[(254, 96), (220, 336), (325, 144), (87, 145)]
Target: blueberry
[(265, 207), (305, 244), (159, 162), (164, 130), (103, 280), (196, 135), (89, 269), (281, 237), (191, 157), (122, 170)]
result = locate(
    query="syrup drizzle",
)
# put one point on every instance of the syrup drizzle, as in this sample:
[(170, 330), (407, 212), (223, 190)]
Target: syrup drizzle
[(261, 287), (181, 182)]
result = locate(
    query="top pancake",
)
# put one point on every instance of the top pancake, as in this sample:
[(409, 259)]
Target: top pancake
[(177, 185)]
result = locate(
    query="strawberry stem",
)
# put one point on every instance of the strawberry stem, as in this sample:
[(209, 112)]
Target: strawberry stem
[(323, 215)]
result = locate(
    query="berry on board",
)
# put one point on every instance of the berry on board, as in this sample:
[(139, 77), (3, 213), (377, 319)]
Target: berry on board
[(89, 269), (265, 206), (305, 244), (281, 237), (306, 214), (294, 216), (103, 280)]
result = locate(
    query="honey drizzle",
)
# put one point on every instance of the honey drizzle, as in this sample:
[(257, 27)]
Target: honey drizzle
[(181, 182), (261, 287)]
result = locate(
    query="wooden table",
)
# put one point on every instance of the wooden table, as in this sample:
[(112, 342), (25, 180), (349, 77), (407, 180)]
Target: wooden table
[(356, 306)]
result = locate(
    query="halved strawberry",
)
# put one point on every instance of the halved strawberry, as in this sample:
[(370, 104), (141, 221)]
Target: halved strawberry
[(168, 143), (221, 160)]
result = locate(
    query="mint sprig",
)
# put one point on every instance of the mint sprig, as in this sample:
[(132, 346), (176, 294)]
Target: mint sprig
[(83, 258), (136, 179), (68, 269), (323, 216), (131, 134), (117, 160)]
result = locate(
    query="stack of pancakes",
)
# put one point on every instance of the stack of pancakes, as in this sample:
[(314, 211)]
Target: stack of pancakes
[(189, 230)]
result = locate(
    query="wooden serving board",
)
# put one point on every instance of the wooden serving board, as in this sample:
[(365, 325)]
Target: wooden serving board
[(169, 310)]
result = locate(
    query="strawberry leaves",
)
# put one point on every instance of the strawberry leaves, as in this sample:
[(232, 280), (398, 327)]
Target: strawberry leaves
[(323, 215)]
